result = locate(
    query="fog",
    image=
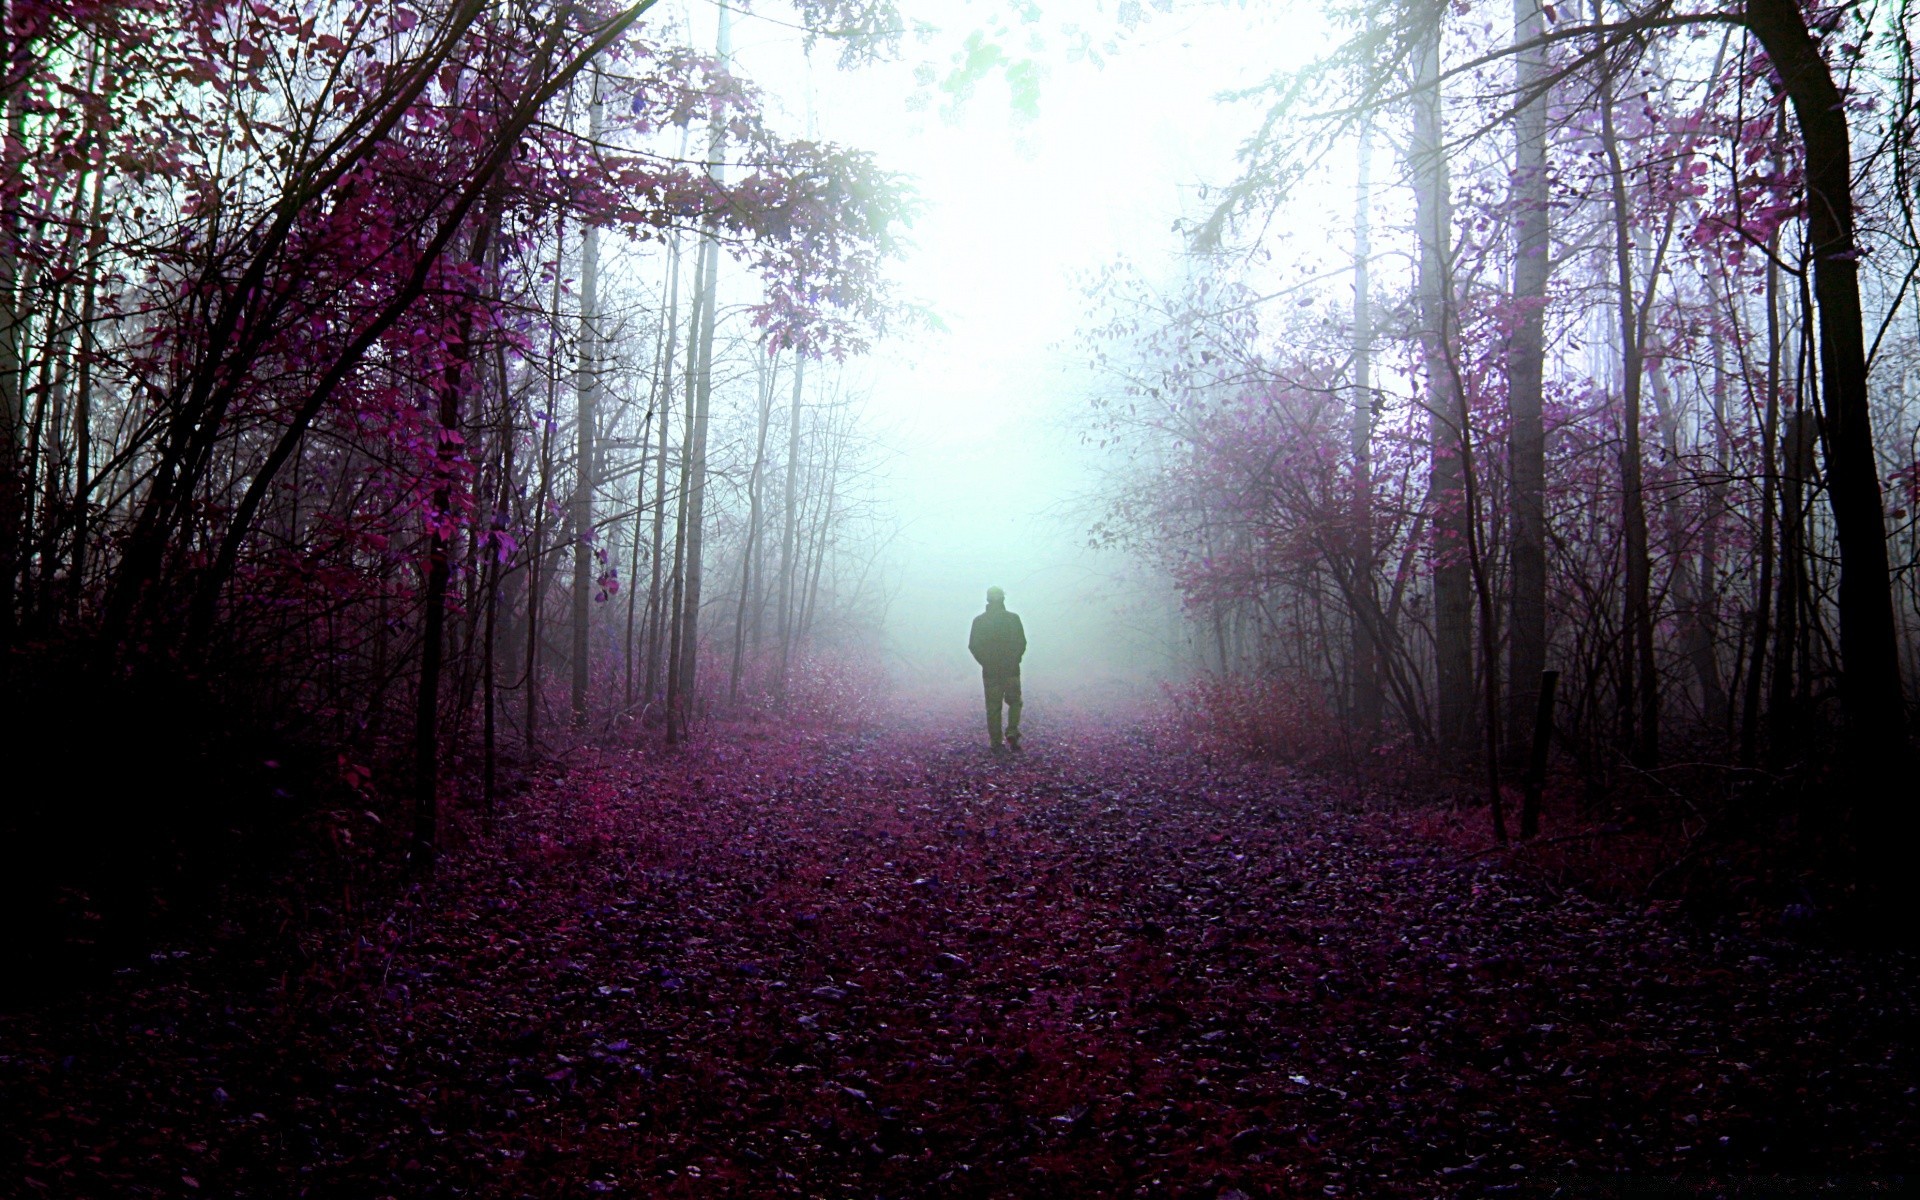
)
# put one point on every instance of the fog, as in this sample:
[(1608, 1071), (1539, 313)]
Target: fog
[(982, 405)]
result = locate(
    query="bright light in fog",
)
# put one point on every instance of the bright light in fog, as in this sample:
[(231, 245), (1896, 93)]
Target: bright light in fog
[(990, 477)]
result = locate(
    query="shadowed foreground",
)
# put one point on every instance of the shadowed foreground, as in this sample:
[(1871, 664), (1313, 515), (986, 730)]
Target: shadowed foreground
[(828, 964)]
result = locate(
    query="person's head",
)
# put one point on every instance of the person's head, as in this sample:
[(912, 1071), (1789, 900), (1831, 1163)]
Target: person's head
[(996, 597)]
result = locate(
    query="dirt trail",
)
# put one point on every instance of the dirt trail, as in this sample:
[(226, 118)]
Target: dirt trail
[(887, 965)]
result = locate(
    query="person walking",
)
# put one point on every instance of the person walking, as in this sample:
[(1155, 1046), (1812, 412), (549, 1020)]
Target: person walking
[(997, 643)]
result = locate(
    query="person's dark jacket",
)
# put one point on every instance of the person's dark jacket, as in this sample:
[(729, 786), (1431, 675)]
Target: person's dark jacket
[(998, 642)]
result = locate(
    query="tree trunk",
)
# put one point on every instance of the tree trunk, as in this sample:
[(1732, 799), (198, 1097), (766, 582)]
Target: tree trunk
[(489, 739), (1718, 707), (792, 500), (822, 544), (1870, 691), (753, 533), (1639, 686), (1769, 480), (634, 528), (657, 578), (536, 559), (1452, 572), (1526, 368), (696, 468), (497, 570), (1784, 724), (586, 393), (1365, 649), (677, 627)]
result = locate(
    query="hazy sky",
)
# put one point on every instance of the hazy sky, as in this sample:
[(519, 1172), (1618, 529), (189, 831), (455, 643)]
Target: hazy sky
[(989, 476)]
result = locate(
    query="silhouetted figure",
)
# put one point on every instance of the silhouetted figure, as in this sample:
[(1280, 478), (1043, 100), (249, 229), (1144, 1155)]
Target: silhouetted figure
[(997, 643)]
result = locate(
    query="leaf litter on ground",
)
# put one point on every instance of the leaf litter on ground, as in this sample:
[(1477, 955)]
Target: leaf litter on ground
[(826, 963)]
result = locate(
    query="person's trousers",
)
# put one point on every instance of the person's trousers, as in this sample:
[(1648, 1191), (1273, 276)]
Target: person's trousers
[(1003, 689)]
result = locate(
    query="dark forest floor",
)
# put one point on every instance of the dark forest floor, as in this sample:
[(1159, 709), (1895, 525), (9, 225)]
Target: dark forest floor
[(828, 964)]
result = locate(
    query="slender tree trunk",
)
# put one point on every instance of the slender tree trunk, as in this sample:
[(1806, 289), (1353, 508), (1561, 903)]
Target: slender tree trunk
[(537, 573), (753, 533), (426, 745), (676, 678), (1769, 481), (696, 486), (1526, 368), (661, 383), (1489, 642), (1870, 690), (489, 740), (1640, 713), (1365, 649), (839, 436), (586, 393), (1784, 724), (1452, 572), (657, 578), (701, 406), (1719, 711), (634, 528), (497, 568), (820, 554), (792, 501)]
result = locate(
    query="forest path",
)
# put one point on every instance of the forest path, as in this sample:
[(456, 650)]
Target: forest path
[(886, 964)]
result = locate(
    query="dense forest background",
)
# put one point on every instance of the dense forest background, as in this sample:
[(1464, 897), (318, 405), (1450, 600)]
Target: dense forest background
[(1588, 438), (322, 402), (393, 396)]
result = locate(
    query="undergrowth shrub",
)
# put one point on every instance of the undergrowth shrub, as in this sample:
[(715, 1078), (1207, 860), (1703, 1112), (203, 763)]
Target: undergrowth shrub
[(832, 689), (824, 688), (1282, 717)]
